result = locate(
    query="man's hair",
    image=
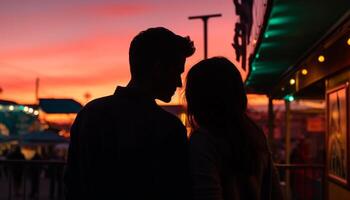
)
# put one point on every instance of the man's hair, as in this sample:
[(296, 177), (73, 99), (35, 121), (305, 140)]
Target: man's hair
[(155, 44)]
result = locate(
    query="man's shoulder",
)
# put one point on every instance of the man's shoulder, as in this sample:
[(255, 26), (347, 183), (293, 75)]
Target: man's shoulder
[(96, 108), (101, 104), (93, 113)]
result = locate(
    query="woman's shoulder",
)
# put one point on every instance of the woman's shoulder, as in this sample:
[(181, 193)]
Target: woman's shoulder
[(199, 136), (204, 140), (201, 139), (202, 147)]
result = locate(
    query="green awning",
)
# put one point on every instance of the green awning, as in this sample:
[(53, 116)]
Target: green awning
[(292, 28)]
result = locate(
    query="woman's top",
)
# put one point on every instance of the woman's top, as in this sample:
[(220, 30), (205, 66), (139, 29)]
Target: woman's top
[(215, 176)]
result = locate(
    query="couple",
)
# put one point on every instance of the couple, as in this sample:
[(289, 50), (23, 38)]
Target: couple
[(125, 146)]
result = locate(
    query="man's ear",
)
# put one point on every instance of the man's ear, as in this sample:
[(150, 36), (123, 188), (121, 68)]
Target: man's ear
[(157, 68)]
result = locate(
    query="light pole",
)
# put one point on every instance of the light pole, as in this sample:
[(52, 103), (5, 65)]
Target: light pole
[(205, 19), (37, 82)]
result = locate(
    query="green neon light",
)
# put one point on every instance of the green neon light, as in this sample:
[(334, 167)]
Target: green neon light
[(272, 33), (279, 9), (280, 20), (268, 44), (289, 98)]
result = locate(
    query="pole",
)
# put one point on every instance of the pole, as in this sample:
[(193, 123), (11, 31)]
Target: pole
[(288, 135), (37, 80), (205, 19), (271, 125)]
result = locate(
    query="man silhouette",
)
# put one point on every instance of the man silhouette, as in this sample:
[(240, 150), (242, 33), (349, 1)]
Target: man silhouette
[(125, 146)]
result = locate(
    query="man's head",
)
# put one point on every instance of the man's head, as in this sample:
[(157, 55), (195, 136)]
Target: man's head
[(157, 57)]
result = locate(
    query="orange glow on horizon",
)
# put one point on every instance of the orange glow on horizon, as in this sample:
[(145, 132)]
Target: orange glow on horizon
[(57, 118)]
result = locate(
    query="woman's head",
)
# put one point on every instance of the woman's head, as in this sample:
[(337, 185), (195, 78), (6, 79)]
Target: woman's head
[(215, 93)]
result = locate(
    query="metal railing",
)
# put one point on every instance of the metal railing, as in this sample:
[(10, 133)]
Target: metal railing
[(43, 180), (37, 179), (302, 181)]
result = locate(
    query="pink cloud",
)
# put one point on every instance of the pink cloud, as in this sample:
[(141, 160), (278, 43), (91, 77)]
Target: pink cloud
[(117, 43), (117, 9)]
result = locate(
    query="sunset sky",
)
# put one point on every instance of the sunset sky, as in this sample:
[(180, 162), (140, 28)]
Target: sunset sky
[(81, 46)]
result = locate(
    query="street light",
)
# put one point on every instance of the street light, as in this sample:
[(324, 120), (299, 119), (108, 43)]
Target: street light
[(205, 19)]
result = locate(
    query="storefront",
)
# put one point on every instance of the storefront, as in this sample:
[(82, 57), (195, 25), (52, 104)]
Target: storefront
[(303, 53)]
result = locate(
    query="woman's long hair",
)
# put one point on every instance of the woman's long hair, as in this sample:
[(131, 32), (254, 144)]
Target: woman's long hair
[(217, 101)]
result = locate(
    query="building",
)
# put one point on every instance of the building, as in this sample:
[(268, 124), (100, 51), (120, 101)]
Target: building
[(302, 52)]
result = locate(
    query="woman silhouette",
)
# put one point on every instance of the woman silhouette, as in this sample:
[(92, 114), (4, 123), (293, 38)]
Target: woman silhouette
[(229, 156)]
